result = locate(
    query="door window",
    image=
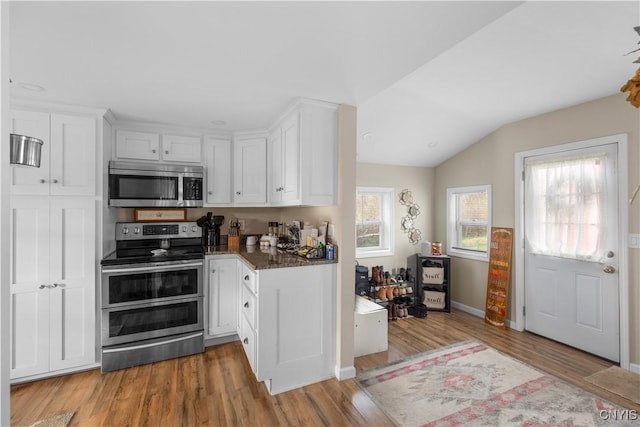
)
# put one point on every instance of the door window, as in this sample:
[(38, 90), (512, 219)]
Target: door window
[(565, 206)]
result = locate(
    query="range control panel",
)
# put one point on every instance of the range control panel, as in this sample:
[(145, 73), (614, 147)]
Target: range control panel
[(164, 230)]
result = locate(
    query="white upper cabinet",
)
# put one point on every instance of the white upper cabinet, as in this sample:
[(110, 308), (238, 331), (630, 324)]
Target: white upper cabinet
[(303, 156), (217, 163), (136, 145), (250, 171), (176, 148), (284, 162), (68, 157)]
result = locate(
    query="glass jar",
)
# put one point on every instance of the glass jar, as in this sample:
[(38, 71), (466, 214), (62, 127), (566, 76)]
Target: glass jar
[(436, 248)]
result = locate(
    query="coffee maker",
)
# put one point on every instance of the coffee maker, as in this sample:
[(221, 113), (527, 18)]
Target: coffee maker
[(210, 229)]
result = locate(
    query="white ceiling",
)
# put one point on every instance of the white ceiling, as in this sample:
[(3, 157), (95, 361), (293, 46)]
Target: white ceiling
[(421, 73)]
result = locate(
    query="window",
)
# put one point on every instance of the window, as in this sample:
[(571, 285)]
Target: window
[(469, 221), (374, 232)]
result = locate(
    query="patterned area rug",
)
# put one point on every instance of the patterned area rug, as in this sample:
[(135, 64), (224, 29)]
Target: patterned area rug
[(61, 420), (471, 384)]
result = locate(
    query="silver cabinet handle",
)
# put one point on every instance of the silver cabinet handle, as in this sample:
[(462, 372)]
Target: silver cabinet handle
[(246, 278), (59, 285), (166, 151), (210, 192), (609, 269), (55, 285), (42, 181), (154, 151), (238, 193), (246, 340), (246, 304), (55, 181)]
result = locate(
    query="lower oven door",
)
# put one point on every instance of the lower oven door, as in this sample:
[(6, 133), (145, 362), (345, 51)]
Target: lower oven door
[(133, 323)]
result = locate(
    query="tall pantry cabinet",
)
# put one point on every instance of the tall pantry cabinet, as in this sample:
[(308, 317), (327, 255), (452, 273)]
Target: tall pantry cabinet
[(54, 221)]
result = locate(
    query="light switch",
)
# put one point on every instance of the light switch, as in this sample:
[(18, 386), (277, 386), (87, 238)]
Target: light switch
[(634, 241)]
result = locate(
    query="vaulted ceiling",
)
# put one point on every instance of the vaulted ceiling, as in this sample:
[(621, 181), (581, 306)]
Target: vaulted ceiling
[(428, 78)]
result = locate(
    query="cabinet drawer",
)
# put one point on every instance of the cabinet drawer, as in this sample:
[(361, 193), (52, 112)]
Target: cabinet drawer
[(249, 340), (249, 278), (249, 306)]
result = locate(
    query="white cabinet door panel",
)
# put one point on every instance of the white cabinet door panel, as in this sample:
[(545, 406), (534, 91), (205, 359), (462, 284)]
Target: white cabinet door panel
[(222, 297), (137, 145), (73, 164), (250, 171), (29, 331), (176, 148), (217, 161), (28, 180), (29, 254), (290, 160)]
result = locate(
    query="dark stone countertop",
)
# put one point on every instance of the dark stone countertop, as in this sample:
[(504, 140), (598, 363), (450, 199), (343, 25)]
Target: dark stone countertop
[(260, 259)]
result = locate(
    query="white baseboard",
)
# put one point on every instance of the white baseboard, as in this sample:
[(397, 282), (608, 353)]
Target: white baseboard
[(477, 313), (345, 373), (634, 367)]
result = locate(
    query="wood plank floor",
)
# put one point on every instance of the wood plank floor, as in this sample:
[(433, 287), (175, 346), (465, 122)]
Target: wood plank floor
[(217, 388)]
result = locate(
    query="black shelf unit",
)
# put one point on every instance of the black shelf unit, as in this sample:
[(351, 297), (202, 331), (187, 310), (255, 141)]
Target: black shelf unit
[(417, 263)]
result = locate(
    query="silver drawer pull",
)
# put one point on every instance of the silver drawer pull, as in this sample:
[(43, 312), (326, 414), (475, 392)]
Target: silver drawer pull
[(246, 304), (246, 278), (246, 340)]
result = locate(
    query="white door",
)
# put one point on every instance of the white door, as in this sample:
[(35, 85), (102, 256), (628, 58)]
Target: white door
[(571, 248)]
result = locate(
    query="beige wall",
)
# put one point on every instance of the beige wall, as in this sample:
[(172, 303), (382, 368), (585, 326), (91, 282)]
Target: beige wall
[(421, 183), (491, 161)]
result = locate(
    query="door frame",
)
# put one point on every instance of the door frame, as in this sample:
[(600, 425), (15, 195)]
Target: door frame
[(623, 230)]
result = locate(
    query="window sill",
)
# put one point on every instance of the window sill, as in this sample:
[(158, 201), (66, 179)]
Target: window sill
[(373, 254), (468, 255)]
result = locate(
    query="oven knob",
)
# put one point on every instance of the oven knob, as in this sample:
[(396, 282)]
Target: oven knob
[(125, 230), (193, 229), (184, 228), (136, 230)]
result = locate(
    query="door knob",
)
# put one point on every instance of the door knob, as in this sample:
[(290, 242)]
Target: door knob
[(610, 254), (609, 269)]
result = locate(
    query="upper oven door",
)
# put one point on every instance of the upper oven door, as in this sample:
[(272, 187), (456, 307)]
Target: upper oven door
[(133, 284)]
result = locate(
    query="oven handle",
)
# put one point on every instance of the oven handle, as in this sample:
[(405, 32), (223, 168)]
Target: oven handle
[(153, 268), (155, 344)]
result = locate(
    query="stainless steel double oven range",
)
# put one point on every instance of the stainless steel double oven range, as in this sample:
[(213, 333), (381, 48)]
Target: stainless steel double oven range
[(151, 294)]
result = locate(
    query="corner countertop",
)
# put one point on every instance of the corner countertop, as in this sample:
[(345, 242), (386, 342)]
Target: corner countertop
[(261, 259)]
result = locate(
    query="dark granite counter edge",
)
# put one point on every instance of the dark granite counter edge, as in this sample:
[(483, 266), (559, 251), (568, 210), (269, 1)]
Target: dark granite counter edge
[(259, 260)]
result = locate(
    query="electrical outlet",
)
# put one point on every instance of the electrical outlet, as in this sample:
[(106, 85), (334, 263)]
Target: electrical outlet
[(241, 224)]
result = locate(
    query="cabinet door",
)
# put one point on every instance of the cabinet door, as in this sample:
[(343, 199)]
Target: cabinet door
[(73, 271), (290, 160), (28, 180), (176, 148), (137, 145), (275, 166), (73, 156), (223, 297), (250, 171), (217, 162), (29, 269)]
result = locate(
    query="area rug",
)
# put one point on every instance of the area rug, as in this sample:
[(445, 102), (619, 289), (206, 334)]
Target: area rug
[(61, 420), (619, 381), (472, 384)]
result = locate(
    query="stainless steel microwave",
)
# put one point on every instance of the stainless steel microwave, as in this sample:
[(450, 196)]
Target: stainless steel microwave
[(133, 184)]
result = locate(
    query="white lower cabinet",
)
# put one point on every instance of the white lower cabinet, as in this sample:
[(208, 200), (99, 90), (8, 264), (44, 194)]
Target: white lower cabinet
[(52, 276), (287, 325), (221, 296)]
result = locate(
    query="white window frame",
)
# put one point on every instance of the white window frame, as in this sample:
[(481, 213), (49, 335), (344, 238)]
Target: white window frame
[(453, 223), (387, 247)]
